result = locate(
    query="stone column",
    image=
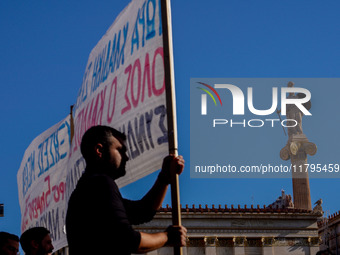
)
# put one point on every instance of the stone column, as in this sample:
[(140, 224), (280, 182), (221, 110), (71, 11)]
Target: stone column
[(239, 243), (195, 245), (225, 246), (267, 244), (313, 245), (210, 245), (301, 189), (297, 149)]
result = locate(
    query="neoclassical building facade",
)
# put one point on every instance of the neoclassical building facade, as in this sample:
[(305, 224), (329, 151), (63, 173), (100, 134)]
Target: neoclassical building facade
[(329, 232), (242, 231)]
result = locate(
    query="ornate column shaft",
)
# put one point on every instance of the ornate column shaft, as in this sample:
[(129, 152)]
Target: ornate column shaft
[(297, 149), (301, 189)]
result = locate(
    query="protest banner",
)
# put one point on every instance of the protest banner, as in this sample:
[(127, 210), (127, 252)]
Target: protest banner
[(41, 182), (124, 86)]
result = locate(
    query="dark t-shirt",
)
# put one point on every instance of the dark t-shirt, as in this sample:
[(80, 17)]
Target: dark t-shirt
[(99, 220)]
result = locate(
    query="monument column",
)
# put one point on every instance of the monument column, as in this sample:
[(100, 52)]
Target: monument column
[(296, 150)]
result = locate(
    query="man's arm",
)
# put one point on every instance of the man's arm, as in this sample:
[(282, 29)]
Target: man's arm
[(156, 194), (173, 236)]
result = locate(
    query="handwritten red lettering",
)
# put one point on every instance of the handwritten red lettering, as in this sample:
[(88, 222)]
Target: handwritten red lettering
[(157, 92), (146, 75), (58, 192), (89, 116), (153, 86), (128, 104), (35, 207), (110, 115), (136, 65)]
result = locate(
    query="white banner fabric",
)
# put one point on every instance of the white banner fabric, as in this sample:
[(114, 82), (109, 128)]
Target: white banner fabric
[(41, 182), (123, 87)]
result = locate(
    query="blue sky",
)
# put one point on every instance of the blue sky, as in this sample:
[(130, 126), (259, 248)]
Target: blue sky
[(44, 49)]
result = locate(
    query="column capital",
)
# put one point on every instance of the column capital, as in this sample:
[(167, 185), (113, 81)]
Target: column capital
[(210, 241), (292, 148)]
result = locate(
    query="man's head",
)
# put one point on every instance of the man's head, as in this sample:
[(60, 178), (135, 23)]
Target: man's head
[(104, 148), (9, 244), (36, 241)]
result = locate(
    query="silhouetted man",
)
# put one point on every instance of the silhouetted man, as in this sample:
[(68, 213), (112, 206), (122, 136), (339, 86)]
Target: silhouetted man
[(36, 241), (9, 244), (98, 218)]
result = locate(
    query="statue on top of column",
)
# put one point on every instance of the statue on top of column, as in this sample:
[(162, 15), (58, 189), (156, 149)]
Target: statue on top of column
[(295, 133)]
